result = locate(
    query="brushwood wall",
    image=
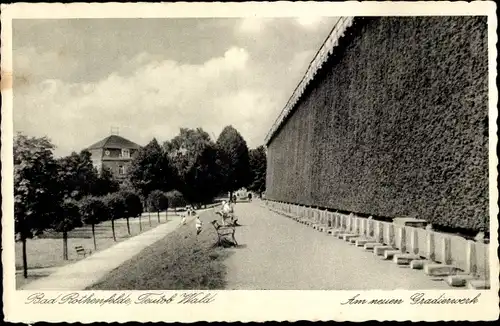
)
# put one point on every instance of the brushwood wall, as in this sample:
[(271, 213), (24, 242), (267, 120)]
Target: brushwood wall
[(394, 124)]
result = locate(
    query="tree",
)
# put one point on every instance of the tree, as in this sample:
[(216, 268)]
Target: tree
[(133, 207), (36, 192), (66, 219), (175, 199), (157, 201), (117, 209), (150, 169), (105, 184), (193, 157), (93, 211), (258, 166), (233, 160), (145, 205), (77, 175)]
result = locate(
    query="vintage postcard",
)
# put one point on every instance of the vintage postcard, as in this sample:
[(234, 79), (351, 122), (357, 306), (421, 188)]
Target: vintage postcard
[(264, 161)]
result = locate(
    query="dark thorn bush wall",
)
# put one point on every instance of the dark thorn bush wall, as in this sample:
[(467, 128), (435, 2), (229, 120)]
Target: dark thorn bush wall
[(394, 124)]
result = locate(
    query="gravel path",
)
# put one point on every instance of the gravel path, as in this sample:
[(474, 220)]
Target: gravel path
[(277, 253)]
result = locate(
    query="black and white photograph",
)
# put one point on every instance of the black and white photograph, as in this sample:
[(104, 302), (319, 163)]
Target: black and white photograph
[(176, 155)]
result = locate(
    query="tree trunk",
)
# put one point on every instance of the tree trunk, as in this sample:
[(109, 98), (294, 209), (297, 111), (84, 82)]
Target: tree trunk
[(140, 223), (231, 195), (149, 215), (93, 236), (25, 257), (128, 226), (166, 215), (113, 228), (158, 213), (65, 245)]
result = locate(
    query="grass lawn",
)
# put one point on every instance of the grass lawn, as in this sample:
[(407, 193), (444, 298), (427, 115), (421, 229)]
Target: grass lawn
[(180, 261), (45, 252)]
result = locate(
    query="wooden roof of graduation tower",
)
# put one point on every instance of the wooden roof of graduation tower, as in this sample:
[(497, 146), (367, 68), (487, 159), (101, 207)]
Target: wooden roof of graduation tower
[(322, 55)]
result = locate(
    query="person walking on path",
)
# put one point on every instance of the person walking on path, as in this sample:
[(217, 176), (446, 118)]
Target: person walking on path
[(234, 220), (225, 211), (198, 225)]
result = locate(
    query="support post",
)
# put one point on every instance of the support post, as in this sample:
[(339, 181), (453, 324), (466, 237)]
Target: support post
[(414, 241), (369, 227), (390, 233), (402, 239), (379, 232), (471, 257), (431, 247), (446, 250)]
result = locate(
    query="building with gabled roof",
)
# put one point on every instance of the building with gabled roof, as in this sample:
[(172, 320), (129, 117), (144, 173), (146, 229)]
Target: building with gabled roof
[(114, 153)]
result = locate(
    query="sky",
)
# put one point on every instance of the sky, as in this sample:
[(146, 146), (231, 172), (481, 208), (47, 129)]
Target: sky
[(76, 79)]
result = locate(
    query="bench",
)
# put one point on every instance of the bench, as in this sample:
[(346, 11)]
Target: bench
[(80, 251), (223, 232)]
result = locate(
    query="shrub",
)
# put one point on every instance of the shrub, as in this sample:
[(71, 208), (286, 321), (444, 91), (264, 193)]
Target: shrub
[(133, 204), (157, 202), (176, 199)]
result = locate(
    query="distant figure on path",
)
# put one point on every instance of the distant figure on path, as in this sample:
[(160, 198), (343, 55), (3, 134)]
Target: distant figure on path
[(183, 220), (234, 219), (190, 210), (198, 225), (226, 210), (249, 197), (230, 213)]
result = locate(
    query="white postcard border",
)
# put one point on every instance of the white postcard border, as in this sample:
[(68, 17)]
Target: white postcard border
[(243, 305)]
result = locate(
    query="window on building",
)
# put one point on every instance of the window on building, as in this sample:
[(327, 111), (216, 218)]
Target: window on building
[(121, 170), (125, 153)]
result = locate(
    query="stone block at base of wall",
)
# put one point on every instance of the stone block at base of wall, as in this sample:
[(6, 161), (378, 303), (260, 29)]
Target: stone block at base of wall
[(347, 236), (352, 240), (389, 254), (418, 263), (318, 227), (440, 270), (459, 280), (335, 232), (361, 242), (478, 285), (404, 259), (379, 250), (370, 245)]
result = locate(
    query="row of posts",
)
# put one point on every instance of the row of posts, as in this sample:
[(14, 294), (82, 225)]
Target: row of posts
[(382, 232)]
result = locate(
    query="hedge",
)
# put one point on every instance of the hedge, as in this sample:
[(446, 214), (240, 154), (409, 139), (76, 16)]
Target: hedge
[(394, 124), (176, 199)]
